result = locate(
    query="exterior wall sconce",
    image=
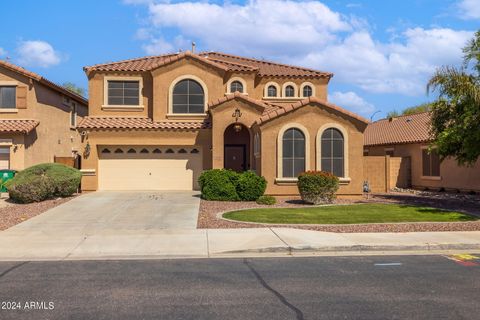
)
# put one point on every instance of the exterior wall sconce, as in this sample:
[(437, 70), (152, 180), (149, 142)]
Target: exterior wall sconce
[(86, 151), (237, 114)]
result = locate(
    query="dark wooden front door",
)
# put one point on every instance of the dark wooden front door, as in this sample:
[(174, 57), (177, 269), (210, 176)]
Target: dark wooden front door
[(235, 158)]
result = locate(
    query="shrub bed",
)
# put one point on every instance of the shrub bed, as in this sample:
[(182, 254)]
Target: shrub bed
[(268, 200), (44, 181), (317, 187), (228, 185)]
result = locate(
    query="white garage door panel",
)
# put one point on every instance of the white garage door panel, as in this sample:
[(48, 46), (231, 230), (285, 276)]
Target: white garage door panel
[(148, 174)]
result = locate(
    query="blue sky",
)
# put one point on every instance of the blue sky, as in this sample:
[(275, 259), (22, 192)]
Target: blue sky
[(382, 52)]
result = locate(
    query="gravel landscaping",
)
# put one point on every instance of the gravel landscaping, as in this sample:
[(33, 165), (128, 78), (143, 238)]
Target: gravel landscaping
[(210, 212), (15, 213)]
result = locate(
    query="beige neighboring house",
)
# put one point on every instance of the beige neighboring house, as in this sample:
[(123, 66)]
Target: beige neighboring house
[(155, 123), (38, 119), (408, 137)]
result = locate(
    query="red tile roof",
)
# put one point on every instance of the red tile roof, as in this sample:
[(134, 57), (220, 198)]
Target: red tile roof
[(281, 110), (267, 68), (237, 95), (44, 81), (413, 128), (18, 125), (138, 123), (222, 61)]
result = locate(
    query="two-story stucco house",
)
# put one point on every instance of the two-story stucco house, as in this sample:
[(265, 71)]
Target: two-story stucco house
[(156, 123), (38, 119)]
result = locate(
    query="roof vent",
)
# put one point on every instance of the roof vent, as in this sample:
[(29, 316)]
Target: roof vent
[(409, 120), (391, 119)]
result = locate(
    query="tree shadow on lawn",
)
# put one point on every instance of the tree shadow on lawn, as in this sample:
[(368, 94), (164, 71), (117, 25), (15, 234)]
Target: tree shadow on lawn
[(460, 205)]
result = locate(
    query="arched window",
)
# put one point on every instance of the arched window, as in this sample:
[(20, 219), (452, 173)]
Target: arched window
[(236, 86), (293, 156), (272, 91), (307, 91), (333, 152), (289, 91), (188, 97)]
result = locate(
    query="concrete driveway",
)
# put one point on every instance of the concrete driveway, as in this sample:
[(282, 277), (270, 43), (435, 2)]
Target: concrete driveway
[(117, 212)]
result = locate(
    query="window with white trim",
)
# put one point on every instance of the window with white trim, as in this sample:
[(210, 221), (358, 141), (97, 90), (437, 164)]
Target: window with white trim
[(188, 97), (122, 92), (332, 152), (8, 97), (236, 86), (307, 91), (293, 153), (256, 145), (272, 91), (289, 91)]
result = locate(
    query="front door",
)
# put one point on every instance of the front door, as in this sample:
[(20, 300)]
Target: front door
[(235, 158)]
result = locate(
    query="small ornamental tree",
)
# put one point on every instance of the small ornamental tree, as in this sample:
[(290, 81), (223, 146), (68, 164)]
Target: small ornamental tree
[(317, 187)]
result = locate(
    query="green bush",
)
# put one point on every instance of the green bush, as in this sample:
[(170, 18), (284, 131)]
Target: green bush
[(268, 200), (250, 186), (227, 185), (43, 181), (317, 187), (218, 185)]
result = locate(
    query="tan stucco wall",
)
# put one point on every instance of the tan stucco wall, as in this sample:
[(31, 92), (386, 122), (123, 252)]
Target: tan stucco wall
[(212, 141), (312, 118), (199, 138), (156, 87), (53, 136), (452, 176)]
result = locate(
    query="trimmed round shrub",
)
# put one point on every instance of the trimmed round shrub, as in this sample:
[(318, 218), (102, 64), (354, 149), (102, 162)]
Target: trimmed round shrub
[(44, 181), (228, 185), (218, 185), (250, 186), (268, 200), (317, 187)]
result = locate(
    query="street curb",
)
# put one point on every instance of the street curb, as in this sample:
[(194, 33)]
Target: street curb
[(357, 248)]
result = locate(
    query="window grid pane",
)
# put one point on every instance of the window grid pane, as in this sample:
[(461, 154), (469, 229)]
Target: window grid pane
[(188, 97), (8, 97), (332, 149), (272, 91), (236, 86), (293, 155), (289, 91), (124, 93), (307, 91)]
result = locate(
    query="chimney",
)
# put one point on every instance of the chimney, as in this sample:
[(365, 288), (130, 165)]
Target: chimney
[(193, 47)]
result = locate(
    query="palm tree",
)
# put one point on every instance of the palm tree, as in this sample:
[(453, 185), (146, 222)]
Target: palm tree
[(456, 113)]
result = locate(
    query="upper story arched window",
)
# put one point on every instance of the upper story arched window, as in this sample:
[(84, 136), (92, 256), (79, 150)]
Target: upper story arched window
[(188, 97), (293, 153), (236, 86), (272, 91), (307, 91), (289, 91), (333, 152)]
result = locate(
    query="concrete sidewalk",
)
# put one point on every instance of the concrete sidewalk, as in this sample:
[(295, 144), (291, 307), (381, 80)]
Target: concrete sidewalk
[(202, 243)]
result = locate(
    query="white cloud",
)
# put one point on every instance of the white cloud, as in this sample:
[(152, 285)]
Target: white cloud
[(402, 66), (469, 9), (37, 53), (350, 100), (3, 52), (264, 27), (311, 34)]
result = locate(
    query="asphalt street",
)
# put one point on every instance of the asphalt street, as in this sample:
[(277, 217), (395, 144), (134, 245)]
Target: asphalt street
[(375, 287)]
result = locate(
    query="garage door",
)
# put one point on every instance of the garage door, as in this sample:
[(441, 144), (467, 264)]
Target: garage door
[(4, 158), (149, 168)]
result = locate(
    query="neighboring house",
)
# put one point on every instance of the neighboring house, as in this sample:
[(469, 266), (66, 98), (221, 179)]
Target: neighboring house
[(408, 137), (156, 123), (37, 119)]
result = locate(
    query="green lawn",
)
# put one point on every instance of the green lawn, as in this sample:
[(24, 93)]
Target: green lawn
[(345, 214)]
